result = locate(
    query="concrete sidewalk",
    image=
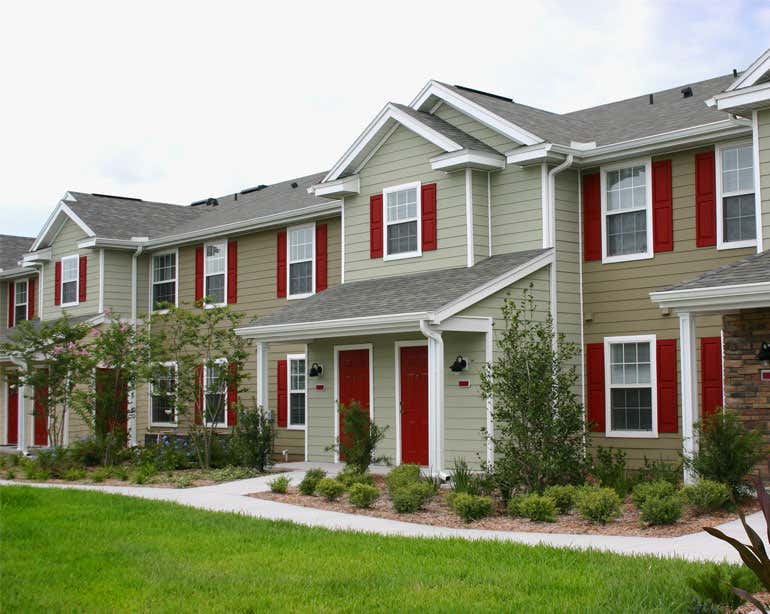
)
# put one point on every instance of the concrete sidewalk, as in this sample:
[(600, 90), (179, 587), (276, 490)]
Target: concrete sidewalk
[(230, 497)]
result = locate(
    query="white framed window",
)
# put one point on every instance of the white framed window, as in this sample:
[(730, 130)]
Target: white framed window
[(626, 191), (736, 200), (163, 271), (297, 391), (301, 261), (163, 396), (402, 232), (631, 386), (70, 280), (215, 393), (20, 300), (215, 273)]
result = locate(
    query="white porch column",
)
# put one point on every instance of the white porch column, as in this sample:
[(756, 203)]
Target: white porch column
[(489, 357), (262, 375), (22, 445), (689, 378), (131, 418), (435, 397)]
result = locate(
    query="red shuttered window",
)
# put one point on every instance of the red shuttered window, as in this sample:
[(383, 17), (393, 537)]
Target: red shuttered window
[(592, 217), (667, 386), (199, 273), (57, 283), (375, 226), (283, 394), (429, 238), (705, 200), (280, 268), (662, 207), (711, 375), (595, 389), (321, 258)]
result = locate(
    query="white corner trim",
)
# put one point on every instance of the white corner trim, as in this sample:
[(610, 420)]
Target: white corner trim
[(470, 256), (545, 207), (101, 281), (742, 98), (750, 76), (757, 180), (342, 242), (489, 212), (689, 388)]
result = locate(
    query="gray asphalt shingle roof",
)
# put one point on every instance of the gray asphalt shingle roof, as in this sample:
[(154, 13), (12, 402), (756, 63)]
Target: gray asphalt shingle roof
[(413, 293), (753, 269), (11, 249)]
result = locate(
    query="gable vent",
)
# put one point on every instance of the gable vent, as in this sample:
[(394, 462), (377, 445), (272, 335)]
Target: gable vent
[(687, 92)]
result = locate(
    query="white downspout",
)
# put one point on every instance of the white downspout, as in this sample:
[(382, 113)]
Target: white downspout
[(551, 187), (435, 395)]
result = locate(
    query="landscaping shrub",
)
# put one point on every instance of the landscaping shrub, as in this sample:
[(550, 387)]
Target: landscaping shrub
[(350, 475), (308, 484), (401, 476), (330, 489), (652, 471), (361, 437), (713, 586), (87, 452), (253, 438), (471, 507), (75, 474), (363, 495), (609, 467), (167, 454), (514, 505), (538, 508), (662, 510), (280, 484), (463, 479), (57, 461), (408, 499), (10, 474), (144, 473), (120, 473), (598, 504), (648, 490), (563, 496), (707, 496), (99, 475), (230, 473)]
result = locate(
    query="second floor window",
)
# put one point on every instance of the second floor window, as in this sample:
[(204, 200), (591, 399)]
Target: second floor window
[(69, 280), (21, 301), (215, 268), (626, 197), (737, 224), (301, 256), (402, 215), (163, 280)]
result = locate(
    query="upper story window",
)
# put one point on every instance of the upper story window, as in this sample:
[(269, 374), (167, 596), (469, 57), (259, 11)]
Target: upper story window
[(215, 266), (297, 390), (163, 395), (402, 232), (215, 394), (631, 395), (301, 257), (69, 280), (163, 280), (20, 301), (736, 203), (627, 211)]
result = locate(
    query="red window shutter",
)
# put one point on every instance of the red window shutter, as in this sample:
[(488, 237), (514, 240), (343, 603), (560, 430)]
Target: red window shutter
[(592, 218), (199, 397), (31, 298), (375, 226), (57, 283), (83, 279), (667, 388), (11, 303), (232, 272), (705, 200), (710, 375), (232, 398), (199, 273), (429, 238), (321, 258), (595, 394), (280, 268), (662, 207), (283, 394)]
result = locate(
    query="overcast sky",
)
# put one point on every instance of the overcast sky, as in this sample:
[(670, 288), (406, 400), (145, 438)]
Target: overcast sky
[(175, 102)]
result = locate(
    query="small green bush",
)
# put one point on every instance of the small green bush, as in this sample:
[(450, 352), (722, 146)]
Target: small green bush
[(185, 480), (401, 476), (538, 508), (598, 504), (99, 475), (713, 586), (410, 498), (144, 473), (75, 474), (280, 484), (120, 473), (707, 496), (350, 475), (609, 466), (308, 484), (514, 505), (655, 470), (330, 489), (10, 474), (662, 510), (648, 490), (363, 495), (563, 497), (471, 507)]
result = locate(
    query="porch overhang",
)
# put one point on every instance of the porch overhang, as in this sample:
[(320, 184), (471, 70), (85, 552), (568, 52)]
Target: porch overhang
[(714, 299)]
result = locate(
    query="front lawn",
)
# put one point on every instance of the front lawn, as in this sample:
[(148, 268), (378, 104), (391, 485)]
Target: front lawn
[(85, 551)]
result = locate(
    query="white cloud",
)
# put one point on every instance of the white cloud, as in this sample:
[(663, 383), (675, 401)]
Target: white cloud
[(177, 101)]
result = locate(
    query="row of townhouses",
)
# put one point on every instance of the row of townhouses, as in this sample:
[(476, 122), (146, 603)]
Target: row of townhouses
[(640, 226)]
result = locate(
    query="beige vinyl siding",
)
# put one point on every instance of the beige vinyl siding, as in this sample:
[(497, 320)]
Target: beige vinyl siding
[(480, 215), (292, 440), (616, 297), (404, 158), (469, 125), (517, 218), (763, 121), (117, 282), (143, 276)]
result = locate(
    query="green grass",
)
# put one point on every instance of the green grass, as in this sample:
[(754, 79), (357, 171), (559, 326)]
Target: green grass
[(84, 551)]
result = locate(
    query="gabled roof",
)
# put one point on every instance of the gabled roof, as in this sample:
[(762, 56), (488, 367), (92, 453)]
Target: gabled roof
[(11, 249), (758, 72)]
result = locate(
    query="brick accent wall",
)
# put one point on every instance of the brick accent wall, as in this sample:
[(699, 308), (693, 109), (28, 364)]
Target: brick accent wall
[(744, 391)]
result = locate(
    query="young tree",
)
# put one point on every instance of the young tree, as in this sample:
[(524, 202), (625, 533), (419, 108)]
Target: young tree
[(55, 363), (539, 428), (209, 369)]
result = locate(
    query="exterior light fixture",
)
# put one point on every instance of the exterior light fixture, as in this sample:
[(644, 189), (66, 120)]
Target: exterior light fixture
[(460, 364), (764, 354), (316, 370)]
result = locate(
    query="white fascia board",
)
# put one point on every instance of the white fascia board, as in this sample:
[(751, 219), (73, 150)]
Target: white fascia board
[(465, 324), (127, 244), (15, 272), (492, 286), (743, 99), (716, 298), (61, 208), (41, 255), (474, 110), (536, 154), (339, 188), (749, 77), (467, 158)]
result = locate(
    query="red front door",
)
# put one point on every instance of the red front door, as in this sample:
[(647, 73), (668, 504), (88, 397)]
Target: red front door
[(111, 402), (13, 414), (41, 416), (414, 405), (353, 380)]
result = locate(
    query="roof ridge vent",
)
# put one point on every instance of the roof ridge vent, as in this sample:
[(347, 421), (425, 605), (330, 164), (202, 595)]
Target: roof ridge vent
[(687, 92), (483, 93), (294, 184), (116, 197), (257, 188)]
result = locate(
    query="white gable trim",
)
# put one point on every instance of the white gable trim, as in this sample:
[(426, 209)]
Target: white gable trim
[(476, 111), (750, 76), (61, 208), (388, 113)]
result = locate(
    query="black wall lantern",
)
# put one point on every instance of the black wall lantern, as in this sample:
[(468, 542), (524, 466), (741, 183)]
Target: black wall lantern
[(315, 370), (764, 353), (460, 364)]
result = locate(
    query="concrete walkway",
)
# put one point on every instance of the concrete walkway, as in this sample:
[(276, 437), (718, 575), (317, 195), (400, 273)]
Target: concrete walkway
[(230, 497)]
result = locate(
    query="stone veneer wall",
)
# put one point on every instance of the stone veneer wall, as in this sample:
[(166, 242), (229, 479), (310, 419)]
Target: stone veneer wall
[(744, 391)]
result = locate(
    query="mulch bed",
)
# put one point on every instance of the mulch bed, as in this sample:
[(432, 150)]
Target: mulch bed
[(437, 513)]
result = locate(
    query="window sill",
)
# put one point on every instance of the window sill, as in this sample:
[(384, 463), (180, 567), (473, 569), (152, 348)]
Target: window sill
[(160, 312), (291, 297), (296, 427), (164, 425), (402, 256), (632, 434), (627, 258), (214, 305), (736, 244), (75, 304)]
